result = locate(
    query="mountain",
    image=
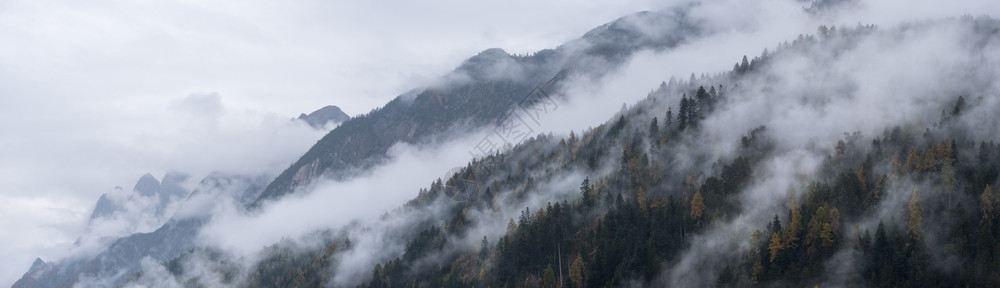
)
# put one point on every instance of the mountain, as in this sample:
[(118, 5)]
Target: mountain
[(123, 256), (809, 165), (856, 157), (105, 207), (481, 91), (148, 190), (329, 114)]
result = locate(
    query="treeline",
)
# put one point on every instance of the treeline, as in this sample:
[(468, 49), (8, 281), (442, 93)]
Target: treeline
[(640, 205)]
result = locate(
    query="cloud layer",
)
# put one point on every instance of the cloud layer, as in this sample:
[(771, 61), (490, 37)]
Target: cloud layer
[(97, 94)]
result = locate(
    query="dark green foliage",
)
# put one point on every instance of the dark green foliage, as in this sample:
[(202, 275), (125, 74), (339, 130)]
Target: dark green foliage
[(683, 115), (626, 225), (285, 265)]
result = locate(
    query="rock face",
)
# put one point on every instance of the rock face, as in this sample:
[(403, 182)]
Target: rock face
[(481, 91), (105, 207), (162, 194), (123, 256), (147, 186), (320, 118)]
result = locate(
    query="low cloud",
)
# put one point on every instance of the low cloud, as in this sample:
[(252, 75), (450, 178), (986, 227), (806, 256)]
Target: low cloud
[(97, 94), (55, 192), (329, 204)]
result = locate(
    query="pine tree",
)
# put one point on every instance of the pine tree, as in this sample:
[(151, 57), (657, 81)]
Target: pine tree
[(669, 119), (840, 150), (511, 227), (654, 129), (587, 192), (694, 107), (959, 105), (682, 115), (703, 100), (881, 257), (484, 248)]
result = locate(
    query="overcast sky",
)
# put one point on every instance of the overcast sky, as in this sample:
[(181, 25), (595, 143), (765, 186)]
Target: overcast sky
[(95, 94)]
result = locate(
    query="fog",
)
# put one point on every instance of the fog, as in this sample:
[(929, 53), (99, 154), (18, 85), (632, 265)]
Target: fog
[(99, 94), (330, 204), (869, 88), (94, 93), (902, 77)]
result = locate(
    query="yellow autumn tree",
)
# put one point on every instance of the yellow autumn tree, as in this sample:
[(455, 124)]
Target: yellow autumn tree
[(792, 230), (861, 178), (643, 204), (895, 166), (912, 161), (697, 208), (914, 223), (577, 272), (549, 277), (775, 246), (986, 202), (948, 180)]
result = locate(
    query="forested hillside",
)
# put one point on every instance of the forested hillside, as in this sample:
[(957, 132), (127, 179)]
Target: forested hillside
[(853, 157)]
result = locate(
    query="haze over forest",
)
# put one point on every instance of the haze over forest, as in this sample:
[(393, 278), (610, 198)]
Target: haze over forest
[(791, 143)]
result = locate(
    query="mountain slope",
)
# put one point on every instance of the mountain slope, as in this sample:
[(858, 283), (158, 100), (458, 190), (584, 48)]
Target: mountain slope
[(124, 256), (748, 178), (319, 118), (480, 92)]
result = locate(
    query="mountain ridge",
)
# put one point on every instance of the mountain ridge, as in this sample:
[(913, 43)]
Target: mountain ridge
[(479, 92), (323, 116)]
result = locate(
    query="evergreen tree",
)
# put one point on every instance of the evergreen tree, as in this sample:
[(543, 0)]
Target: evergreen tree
[(654, 129), (669, 119), (959, 105), (703, 99), (881, 257), (695, 106), (484, 249), (587, 192), (682, 115)]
